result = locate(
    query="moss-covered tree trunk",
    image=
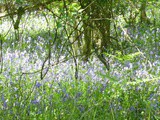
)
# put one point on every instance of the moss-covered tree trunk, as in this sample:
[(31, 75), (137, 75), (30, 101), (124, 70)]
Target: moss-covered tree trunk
[(143, 16), (102, 20), (86, 28), (98, 14)]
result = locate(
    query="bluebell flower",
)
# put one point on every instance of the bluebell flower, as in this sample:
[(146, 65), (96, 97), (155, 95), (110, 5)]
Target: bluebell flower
[(119, 107), (38, 84), (81, 108), (5, 104), (151, 96), (2, 97), (79, 94), (36, 101), (66, 97), (132, 108), (159, 82), (103, 87)]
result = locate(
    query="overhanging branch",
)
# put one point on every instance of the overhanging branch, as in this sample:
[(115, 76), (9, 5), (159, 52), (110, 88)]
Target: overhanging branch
[(27, 8)]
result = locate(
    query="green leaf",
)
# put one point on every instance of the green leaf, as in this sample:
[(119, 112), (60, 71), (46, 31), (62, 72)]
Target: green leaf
[(19, 1), (131, 56), (120, 57)]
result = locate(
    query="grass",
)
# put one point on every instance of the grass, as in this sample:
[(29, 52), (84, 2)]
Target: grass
[(80, 100)]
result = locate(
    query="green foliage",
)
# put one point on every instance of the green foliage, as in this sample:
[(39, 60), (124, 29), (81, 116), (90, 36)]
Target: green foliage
[(19, 1), (79, 100), (123, 58), (50, 38)]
